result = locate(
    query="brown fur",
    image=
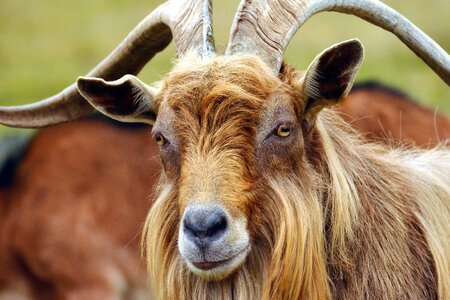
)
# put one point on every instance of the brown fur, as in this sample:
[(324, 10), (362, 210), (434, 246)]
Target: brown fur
[(383, 114), (71, 220), (328, 215)]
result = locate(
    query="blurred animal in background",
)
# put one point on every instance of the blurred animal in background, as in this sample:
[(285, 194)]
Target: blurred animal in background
[(72, 213), (385, 114), (73, 208)]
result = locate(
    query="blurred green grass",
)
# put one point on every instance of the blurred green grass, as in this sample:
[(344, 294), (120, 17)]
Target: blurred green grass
[(46, 45)]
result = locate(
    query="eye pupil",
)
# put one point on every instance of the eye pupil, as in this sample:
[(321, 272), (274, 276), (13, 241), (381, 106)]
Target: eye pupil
[(283, 130), (160, 140)]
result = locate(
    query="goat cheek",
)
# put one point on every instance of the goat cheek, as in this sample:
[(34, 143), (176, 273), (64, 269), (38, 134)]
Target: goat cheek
[(171, 163), (281, 160), (281, 164)]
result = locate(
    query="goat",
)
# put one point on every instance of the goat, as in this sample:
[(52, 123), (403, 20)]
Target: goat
[(266, 192)]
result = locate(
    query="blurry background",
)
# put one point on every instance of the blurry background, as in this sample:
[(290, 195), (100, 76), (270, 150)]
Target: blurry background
[(46, 45)]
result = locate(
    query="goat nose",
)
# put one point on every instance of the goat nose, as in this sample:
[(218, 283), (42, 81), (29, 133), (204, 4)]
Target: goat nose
[(204, 225)]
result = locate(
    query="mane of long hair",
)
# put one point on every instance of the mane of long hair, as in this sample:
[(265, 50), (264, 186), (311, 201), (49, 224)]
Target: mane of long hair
[(355, 220), (386, 217)]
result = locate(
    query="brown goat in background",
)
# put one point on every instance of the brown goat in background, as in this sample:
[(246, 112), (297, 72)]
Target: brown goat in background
[(71, 218), (384, 114)]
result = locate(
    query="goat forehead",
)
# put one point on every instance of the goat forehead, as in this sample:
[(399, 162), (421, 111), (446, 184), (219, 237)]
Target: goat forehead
[(219, 94), (241, 76), (219, 124)]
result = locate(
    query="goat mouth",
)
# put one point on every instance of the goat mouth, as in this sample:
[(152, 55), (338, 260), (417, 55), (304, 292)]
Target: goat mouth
[(209, 265)]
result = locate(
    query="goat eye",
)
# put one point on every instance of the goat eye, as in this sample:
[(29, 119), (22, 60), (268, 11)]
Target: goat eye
[(160, 140), (283, 130)]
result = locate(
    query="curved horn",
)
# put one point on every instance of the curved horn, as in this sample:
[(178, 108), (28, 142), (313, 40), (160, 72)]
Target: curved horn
[(208, 38), (267, 26), (184, 19)]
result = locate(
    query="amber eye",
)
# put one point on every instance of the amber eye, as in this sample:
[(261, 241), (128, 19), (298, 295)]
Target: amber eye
[(160, 139), (284, 130)]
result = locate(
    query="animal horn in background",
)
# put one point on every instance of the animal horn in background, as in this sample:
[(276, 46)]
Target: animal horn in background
[(265, 28), (188, 21)]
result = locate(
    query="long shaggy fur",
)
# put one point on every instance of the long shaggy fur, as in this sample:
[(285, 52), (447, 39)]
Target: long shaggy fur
[(352, 221)]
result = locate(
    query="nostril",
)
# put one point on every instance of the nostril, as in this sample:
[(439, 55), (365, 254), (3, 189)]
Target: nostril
[(193, 229), (217, 224), (204, 225), (190, 227)]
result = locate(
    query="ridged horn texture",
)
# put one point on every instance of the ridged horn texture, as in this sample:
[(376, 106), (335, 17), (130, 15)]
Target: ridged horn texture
[(208, 38), (182, 19), (265, 28)]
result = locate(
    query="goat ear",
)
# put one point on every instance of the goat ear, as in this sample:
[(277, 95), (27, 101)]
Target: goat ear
[(127, 99), (330, 77)]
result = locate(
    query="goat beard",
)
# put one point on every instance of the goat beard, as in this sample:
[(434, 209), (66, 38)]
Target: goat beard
[(287, 257)]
